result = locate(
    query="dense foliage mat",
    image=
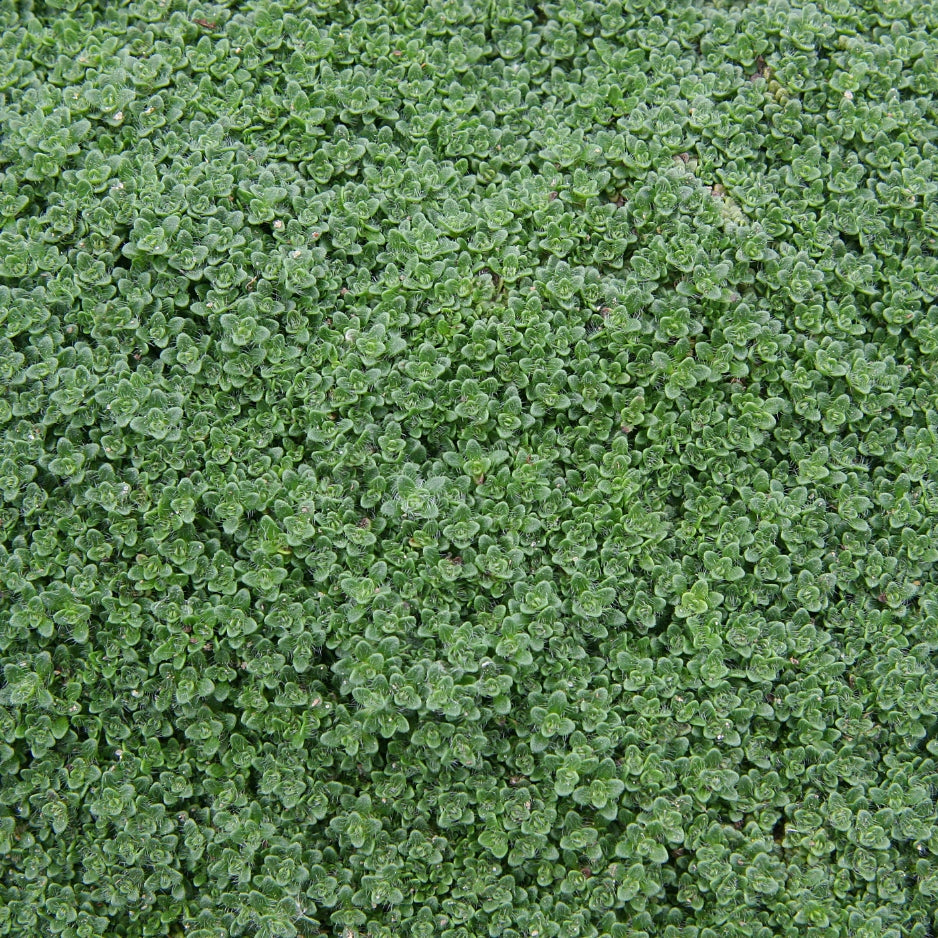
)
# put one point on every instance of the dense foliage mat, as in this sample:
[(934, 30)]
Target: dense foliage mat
[(468, 469)]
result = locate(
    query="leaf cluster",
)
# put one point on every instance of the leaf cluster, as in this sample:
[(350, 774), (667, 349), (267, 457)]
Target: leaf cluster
[(468, 468)]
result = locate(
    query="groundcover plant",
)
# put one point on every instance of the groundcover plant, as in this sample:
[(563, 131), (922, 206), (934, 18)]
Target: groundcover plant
[(468, 468)]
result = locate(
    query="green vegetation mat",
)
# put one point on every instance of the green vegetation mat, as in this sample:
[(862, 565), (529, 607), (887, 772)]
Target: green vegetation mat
[(468, 469)]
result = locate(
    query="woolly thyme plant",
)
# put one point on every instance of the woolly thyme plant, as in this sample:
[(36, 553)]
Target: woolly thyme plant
[(468, 469)]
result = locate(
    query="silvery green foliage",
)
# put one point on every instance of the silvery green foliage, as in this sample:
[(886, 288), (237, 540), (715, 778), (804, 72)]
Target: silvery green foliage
[(468, 468)]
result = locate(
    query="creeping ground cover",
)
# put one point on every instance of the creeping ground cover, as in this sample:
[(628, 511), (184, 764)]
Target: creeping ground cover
[(468, 469)]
